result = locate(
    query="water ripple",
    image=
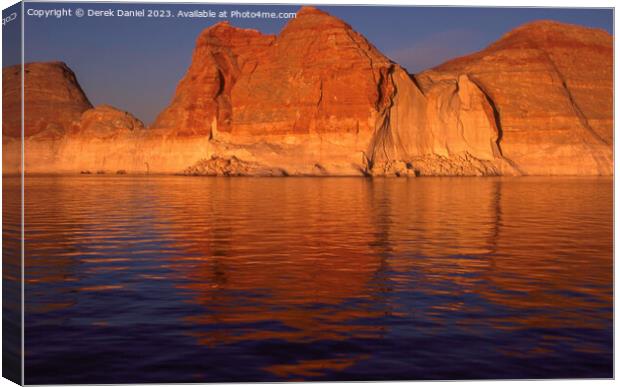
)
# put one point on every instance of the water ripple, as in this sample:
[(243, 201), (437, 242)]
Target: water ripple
[(176, 279)]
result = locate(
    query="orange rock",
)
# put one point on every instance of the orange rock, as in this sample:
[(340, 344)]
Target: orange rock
[(319, 76), (53, 99), (319, 99), (105, 122), (450, 130), (328, 102), (552, 87), (202, 101)]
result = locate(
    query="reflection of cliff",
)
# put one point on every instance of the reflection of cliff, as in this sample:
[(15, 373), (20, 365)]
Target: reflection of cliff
[(324, 262), (298, 281), (11, 278), (344, 257), (532, 268), (72, 233), (513, 243), (319, 99)]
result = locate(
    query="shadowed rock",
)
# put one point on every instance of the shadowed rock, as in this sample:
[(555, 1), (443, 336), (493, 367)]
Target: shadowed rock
[(319, 99), (551, 85), (53, 99)]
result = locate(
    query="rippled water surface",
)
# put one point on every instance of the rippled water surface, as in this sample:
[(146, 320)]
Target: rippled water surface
[(177, 279)]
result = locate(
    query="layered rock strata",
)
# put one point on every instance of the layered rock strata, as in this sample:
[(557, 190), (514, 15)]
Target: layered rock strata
[(319, 99), (551, 85), (53, 99)]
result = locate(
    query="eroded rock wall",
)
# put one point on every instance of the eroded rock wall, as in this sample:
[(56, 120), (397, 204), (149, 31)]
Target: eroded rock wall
[(319, 99), (551, 85)]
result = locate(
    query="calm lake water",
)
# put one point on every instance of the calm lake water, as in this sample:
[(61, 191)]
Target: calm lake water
[(179, 279)]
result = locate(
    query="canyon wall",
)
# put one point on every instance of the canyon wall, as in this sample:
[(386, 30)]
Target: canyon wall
[(319, 99), (552, 87)]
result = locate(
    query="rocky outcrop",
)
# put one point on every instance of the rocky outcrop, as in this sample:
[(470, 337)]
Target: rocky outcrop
[(63, 132), (319, 76), (202, 102), (450, 130), (551, 87), (219, 166), (105, 123), (319, 99), (53, 99), (321, 94)]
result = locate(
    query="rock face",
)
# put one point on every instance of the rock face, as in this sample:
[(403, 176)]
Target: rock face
[(319, 99), (11, 101), (53, 99), (218, 166), (62, 130), (203, 98), (319, 76), (105, 122), (449, 130), (552, 87)]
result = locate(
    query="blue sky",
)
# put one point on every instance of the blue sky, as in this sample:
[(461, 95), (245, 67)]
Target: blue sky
[(136, 63)]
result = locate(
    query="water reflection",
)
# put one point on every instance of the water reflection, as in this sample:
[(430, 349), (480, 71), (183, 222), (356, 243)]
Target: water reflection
[(176, 279), (11, 279)]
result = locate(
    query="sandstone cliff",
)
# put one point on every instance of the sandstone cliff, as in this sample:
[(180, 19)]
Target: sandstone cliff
[(552, 87), (53, 99), (203, 98), (62, 130), (319, 99)]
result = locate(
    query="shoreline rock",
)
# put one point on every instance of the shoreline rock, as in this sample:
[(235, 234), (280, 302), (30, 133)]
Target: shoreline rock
[(320, 100)]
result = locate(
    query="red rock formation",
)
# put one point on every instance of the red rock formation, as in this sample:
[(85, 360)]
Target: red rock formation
[(53, 99), (202, 101), (319, 76), (62, 131), (11, 101), (551, 85), (450, 130), (319, 99), (105, 122)]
